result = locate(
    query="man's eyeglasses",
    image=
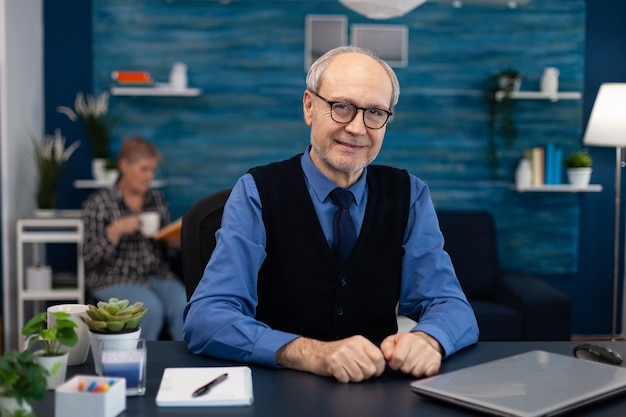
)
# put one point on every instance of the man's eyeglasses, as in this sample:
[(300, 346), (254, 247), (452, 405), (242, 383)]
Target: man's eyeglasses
[(344, 112)]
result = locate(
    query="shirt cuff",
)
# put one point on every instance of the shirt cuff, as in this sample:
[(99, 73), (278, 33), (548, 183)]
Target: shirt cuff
[(266, 347)]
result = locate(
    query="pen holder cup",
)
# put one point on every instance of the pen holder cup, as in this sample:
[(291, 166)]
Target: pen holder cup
[(86, 395), (128, 361)]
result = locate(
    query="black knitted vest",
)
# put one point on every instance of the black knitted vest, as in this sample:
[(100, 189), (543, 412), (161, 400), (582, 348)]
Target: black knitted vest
[(301, 288)]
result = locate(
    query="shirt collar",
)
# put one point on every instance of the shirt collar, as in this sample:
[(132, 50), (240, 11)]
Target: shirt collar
[(322, 186)]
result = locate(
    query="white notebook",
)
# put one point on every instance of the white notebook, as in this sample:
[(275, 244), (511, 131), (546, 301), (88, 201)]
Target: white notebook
[(178, 384)]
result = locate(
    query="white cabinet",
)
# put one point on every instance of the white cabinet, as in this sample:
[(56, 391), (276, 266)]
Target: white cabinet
[(33, 235)]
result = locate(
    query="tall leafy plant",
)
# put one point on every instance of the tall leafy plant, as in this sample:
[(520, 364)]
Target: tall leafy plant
[(94, 112), (50, 157)]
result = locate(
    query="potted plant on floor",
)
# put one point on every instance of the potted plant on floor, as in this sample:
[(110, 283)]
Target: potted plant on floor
[(500, 104), (578, 165), (112, 321), (22, 383), (52, 339)]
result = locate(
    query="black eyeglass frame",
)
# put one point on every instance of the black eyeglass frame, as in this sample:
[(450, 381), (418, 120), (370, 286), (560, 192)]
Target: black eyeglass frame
[(356, 110)]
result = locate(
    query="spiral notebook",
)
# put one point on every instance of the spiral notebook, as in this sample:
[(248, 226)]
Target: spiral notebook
[(531, 384), (178, 385)]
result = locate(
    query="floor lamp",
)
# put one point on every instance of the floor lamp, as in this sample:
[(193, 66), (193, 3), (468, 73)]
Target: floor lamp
[(607, 127)]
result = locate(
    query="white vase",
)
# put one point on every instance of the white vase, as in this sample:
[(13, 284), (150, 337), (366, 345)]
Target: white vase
[(11, 406), (523, 174), (38, 277), (98, 170), (124, 340), (579, 177), (56, 366), (550, 81)]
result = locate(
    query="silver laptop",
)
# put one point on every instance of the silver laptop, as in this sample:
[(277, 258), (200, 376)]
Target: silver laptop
[(531, 384)]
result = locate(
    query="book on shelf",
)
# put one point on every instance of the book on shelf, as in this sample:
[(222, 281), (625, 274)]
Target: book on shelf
[(546, 164), (131, 78)]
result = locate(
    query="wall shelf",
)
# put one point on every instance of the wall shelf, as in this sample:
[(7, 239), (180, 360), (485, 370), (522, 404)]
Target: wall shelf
[(158, 89), (562, 188), (538, 95), (94, 184)]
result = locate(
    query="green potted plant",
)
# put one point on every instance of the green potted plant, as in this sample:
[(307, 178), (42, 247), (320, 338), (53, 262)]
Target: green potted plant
[(578, 165), (113, 321), (94, 112), (500, 104), (22, 383), (51, 338), (50, 158)]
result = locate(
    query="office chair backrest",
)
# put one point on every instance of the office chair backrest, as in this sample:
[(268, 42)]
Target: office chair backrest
[(470, 240), (197, 236)]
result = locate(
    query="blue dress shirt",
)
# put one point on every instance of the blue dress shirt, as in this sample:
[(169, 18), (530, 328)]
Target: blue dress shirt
[(219, 319)]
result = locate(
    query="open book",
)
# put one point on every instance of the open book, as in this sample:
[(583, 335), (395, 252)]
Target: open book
[(178, 385), (172, 229)]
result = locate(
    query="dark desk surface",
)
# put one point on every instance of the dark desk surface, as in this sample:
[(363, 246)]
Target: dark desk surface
[(282, 393)]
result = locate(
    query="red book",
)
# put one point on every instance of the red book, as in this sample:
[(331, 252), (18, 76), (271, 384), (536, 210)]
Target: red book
[(131, 77)]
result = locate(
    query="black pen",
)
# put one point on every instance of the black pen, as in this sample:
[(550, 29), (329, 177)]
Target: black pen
[(206, 388)]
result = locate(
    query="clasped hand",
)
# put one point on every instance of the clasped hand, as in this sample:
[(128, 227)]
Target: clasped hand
[(355, 358)]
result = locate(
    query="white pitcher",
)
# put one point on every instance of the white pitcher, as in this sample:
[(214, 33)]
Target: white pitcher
[(550, 81)]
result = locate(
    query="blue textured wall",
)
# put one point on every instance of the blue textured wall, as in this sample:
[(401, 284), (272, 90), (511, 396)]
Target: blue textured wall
[(248, 58)]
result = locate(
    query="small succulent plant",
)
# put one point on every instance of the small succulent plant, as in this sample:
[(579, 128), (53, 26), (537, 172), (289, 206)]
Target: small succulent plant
[(580, 159), (114, 316)]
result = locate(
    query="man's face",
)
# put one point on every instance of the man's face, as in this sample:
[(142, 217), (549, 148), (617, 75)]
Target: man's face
[(342, 150)]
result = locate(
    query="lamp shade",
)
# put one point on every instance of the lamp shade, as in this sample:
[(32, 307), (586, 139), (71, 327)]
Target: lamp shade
[(607, 123), (382, 9)]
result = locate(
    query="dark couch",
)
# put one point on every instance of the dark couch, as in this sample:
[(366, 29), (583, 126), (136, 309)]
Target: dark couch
[(508, 305)]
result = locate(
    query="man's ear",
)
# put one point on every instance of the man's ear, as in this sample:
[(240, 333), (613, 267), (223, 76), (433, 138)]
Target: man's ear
[(307, 107)]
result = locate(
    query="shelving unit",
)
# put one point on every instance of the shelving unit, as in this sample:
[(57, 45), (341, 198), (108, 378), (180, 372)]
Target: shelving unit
[(562, 188), (34, 233), (155, 90), (538, 95), (93, 184)]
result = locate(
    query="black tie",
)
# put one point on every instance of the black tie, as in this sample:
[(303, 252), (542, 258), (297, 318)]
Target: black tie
[(344, 233)]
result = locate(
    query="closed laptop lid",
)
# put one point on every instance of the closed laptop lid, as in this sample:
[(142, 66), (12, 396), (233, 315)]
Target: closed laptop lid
[(531, 384)]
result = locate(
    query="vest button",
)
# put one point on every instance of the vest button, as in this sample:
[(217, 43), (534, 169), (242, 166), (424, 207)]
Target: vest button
[(340, 311)]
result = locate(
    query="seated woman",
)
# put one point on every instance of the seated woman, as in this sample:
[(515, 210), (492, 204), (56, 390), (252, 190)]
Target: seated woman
[(121, 262)]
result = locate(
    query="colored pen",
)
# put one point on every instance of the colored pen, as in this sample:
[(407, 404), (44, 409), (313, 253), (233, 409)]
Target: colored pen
[(207, 387)]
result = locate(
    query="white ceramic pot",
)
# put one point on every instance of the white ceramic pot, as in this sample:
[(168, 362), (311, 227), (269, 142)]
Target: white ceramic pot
[(38, 277), (56, 366), (98, 170), (121, 340), (579, 177), (11, 406), (78, 352)]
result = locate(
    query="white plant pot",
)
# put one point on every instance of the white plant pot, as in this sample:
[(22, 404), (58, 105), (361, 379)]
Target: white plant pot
[(123, 340), (98, 170), (579, 177), (56, 366), (11, 406)]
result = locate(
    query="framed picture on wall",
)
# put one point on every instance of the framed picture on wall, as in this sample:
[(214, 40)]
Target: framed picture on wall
[(389, 42), (323, 33)]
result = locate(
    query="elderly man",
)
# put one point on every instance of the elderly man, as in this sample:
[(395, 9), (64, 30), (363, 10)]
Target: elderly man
[(302, 279)]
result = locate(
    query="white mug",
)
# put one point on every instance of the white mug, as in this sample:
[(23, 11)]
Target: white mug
[(77, 354), (150, 223)]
